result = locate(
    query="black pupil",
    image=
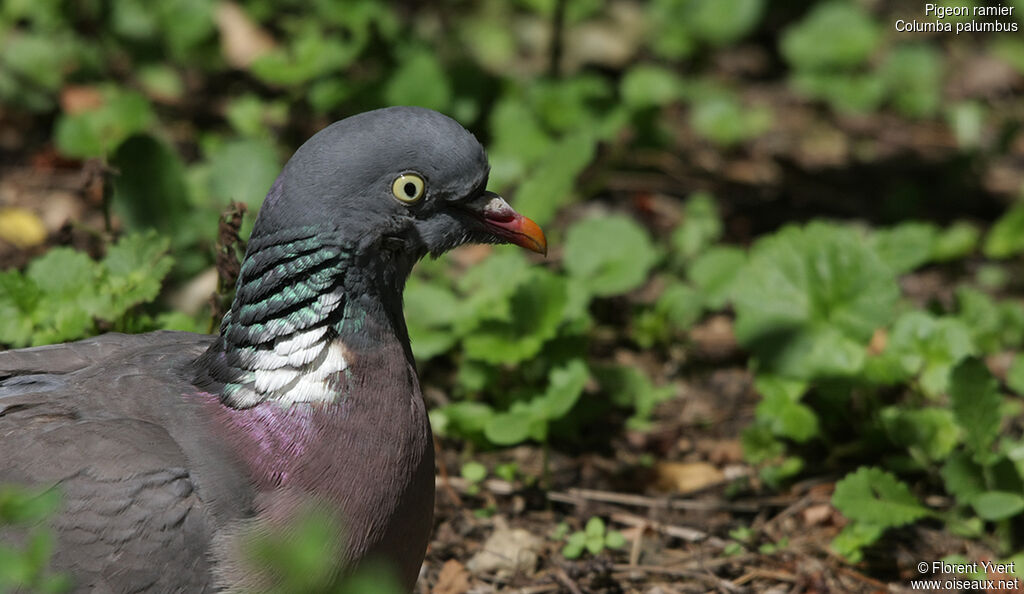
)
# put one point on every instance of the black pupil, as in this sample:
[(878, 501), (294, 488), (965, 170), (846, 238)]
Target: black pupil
[(410, 189)]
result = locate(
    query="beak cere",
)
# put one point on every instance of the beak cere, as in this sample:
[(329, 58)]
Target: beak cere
[(502, 220)]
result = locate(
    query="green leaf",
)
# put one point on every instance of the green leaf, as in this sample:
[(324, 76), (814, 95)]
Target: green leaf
[(512, 427), (1015, 375), (519, 141), (97, 132), (723, 119), (242, 170), (906, 246), (913, 74), (782, 412), (998, 505), (551, 184), (565, 385), (834, 35), (311, 53), (714, 273), (963, 477), (646, 85), (994, 326), (629, 387), (1006, 238), (680, 305), (150, 190), (532, 316), (929, 346), (957, 241), (931, 432), (854, 537), (574, 546), (874, 496), (809, 299), (700, 228), (975, 400), (594, 528), (474, 472), (419, 80), (430, 310), (615, 540), (134, 269), (609, 255)]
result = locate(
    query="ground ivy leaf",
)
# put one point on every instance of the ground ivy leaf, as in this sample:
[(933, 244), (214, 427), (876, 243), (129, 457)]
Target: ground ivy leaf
[(930, 431), (609, 255), (549, 186), (963, 477), (701, 226), (874, 496), (565, 385), (430, 309)]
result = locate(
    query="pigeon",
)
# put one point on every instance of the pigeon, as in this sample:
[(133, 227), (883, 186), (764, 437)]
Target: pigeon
[(171, 449)]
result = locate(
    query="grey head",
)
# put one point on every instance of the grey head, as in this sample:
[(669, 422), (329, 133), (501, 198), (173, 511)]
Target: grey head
[(351, 212), (403, 173)]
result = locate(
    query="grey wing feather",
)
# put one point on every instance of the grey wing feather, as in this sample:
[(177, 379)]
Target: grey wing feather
[(144, 486)]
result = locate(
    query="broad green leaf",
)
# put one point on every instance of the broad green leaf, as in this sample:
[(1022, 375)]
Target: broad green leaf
[(835, 34), (874, 496), (242, 170), (929, 346), (998, 505), (609, 255), (512, 427), (809, 299), (570, 105), (975, 400), (906, 246), (519, 142), (846, 92), (714, 274), (310, 53), (551, 185), (419, 80), (150, 190), (464, 418), (63, 272), (535, 311), (97, 132), (565, 385), (781, 411), (957, 241), (430, 309), (1006, 238)]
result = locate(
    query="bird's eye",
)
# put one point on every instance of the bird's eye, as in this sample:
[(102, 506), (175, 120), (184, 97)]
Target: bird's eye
[(408, 187)]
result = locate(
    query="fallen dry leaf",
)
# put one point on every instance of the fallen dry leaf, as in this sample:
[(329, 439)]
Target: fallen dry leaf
[(80, 98), (686, 477), (241, 39), (453, 579)]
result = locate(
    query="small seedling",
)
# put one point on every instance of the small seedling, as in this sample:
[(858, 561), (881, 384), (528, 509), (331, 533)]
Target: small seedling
[(594, 538)]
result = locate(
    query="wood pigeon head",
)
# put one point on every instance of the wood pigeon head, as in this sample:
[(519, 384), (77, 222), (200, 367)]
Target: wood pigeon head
[(406, 177)]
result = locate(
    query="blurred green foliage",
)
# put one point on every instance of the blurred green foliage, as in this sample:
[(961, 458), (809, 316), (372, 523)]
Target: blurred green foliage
[(197, 102)]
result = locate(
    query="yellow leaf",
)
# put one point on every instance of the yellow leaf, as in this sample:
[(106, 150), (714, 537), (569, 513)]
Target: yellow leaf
[(21, 227)]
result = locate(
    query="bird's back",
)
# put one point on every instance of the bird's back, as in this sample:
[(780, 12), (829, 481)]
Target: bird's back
[(145, 482)]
